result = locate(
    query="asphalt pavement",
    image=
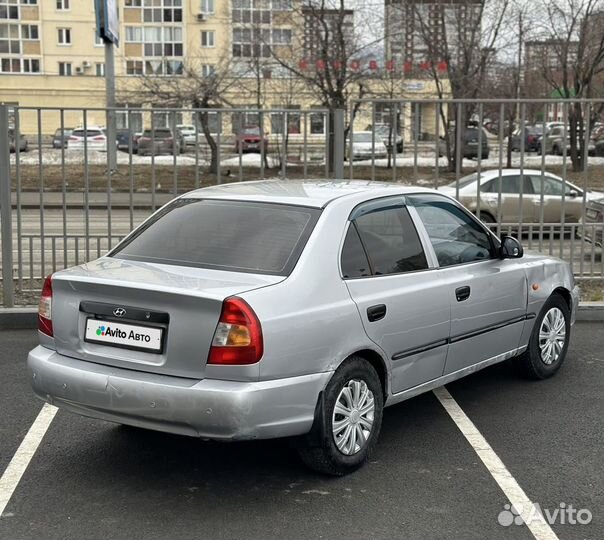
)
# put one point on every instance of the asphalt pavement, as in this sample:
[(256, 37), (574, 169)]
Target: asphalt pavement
[(90, 479)]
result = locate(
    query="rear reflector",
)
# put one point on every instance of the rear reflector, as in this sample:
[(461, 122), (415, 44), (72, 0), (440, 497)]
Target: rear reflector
[(238, 337), (45, 308)]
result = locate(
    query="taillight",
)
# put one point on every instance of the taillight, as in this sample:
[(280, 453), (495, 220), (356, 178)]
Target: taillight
[(238, 337), (99, 138), (45, 308), (73, 139)]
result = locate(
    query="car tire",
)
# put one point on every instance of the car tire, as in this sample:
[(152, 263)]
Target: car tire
[(335, 449), (485, 217), (540, 360)]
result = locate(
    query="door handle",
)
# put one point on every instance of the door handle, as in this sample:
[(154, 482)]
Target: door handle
[(376, 313), (462, 293)]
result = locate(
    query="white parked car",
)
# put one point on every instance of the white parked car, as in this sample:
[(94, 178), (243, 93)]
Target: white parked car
[(188, 134), (90, 138), (365, 144)]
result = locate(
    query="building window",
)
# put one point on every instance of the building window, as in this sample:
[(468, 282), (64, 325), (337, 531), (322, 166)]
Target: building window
[(63, 5), (208, 70), (31, 65), (8, 10), (207, 7), (30, 31), (158, 11), (134, 67), (208, 38), (134, 3), (134, 34), (282, 36), (65, 69), (30, 2), (100, 70), (162, 41), (282, 5), (317, 124), (251, 42), (9, 39), (98, 41), (64, 36)]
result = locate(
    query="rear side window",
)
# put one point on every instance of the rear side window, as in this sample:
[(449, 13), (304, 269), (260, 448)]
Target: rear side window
[(224, 235), (509, 184), (386, 238)]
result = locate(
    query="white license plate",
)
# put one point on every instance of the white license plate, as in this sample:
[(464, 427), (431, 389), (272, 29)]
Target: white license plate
[(592, 213), (128, 336)]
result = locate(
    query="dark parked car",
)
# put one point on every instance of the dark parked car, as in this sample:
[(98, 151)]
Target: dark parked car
[(249, 139), (59, 139), (158, 141), (125, 139), (599, 148), (531, 138), (23, 144), (471, 139)]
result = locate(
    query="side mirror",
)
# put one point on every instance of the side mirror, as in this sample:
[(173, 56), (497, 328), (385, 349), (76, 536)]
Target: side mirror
[(573, 194), (511, 248)]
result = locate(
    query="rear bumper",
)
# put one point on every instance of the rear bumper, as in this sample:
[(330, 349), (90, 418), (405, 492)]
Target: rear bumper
[(210, 409)]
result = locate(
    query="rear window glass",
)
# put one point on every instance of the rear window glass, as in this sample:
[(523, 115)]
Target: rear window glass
[(89, 133), (159, 133), (224, 235)]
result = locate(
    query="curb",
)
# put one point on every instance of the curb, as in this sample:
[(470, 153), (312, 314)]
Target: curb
[(26, 318)]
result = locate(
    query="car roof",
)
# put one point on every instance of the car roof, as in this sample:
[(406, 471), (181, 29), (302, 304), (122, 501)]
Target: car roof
[(494, 173), (314, 193)]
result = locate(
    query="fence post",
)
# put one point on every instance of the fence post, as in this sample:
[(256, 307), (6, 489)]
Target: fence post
[(6, 236), (339, 144)]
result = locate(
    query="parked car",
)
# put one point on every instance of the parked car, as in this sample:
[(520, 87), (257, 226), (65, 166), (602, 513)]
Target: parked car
[(91, 138), (295, 309), (158, 141), (470, 138), (23, 142), (552, 142), (249, 140), (534, 204), (126, 139), (383, 131), (189, 134), (365, 145), (531, 138), (60, 138), (599, 147), (592, 225)]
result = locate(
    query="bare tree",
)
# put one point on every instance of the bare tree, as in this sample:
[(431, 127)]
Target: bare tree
[(330, 63), (458, 42), (573, 61), (199, 87)]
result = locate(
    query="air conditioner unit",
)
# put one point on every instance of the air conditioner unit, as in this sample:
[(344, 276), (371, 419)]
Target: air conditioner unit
[(79, 70), (86, 64), (201, 17)]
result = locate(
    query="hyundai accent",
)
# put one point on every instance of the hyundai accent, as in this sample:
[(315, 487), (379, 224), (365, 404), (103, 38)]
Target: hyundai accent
[(295, 309)]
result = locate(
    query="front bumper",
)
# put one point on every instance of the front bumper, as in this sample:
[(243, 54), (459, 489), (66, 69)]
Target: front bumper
[(208, 408)]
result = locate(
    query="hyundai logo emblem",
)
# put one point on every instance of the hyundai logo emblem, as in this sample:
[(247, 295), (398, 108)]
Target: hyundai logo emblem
[(119, 312)]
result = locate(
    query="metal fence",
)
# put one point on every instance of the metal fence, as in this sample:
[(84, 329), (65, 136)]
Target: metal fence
[(62, 205)]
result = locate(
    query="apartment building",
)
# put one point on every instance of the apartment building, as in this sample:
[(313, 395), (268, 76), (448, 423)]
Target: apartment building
[(419, 30), (50, 56)]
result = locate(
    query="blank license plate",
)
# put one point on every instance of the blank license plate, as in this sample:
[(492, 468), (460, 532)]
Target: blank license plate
[(127, 336)]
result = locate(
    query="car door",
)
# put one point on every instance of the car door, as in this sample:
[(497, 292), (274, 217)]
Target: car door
[(400, 296), (487, 295), (548, 199), (513, 205)]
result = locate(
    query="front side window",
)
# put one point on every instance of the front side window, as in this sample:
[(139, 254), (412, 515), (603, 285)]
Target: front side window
[(382, 241), (457, 238), (224, 235), (550, 186)]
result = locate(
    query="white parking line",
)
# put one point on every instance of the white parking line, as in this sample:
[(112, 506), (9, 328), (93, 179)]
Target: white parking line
[(516, 495), (17, 466)]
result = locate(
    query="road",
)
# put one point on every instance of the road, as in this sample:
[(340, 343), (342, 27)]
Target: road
[(94, 480)]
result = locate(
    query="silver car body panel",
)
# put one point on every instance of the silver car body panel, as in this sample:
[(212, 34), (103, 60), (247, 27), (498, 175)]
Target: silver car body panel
[(312, 321)]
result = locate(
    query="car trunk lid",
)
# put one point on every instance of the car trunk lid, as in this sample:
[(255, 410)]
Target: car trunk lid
[(97, 303)]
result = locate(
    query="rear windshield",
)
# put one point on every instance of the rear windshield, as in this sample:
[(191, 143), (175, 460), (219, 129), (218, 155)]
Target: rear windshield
[(224, 235), (89, 133), (159, 133)]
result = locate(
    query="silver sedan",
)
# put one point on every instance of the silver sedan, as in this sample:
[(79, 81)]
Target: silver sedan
[(297, 309)]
